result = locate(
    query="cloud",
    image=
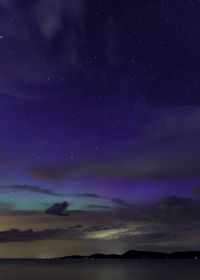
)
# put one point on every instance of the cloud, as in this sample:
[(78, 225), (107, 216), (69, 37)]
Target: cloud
[(121, 203), (171, 210), (58, 209), (158, 151), (76, 227), (98, 228), (50, 15), (178, 210), (41, 22), (99, 207), (88, 195), (49, 25), (154, 165), (47, 15), (168, 220), (16, 235), (34, 189), (105, 232)]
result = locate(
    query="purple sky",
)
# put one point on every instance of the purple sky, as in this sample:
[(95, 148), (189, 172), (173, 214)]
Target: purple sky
[(100, 108)]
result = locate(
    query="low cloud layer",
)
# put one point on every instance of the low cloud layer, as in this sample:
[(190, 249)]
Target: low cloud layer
[(171, 210), (16, 235)]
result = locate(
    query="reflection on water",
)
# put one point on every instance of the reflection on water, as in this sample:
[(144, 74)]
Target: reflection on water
[(100, 270)]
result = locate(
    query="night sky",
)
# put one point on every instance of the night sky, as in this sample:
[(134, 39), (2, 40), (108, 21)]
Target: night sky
[(100, 126)]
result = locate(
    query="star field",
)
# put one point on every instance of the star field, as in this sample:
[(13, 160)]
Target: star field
[(99, 117)]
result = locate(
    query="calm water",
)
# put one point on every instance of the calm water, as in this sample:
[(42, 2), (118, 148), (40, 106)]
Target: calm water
[(99, 269)]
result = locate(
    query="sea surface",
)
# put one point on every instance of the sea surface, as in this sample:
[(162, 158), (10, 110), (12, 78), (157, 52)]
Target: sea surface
[(100, 269)]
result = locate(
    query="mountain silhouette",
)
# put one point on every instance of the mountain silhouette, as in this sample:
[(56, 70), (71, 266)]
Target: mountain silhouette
[(134, 254)]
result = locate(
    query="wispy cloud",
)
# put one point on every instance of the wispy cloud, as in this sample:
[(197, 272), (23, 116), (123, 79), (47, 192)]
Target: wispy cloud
[(28, 188), (121, 203), (99, 207)]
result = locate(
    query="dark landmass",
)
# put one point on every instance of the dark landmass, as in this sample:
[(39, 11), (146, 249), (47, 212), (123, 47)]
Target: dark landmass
[(133, 254)]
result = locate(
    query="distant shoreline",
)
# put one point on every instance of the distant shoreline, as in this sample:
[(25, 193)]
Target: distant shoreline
[(132, 254)]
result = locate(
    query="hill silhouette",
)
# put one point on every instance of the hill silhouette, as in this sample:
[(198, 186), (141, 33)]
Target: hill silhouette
[(134, 254)]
